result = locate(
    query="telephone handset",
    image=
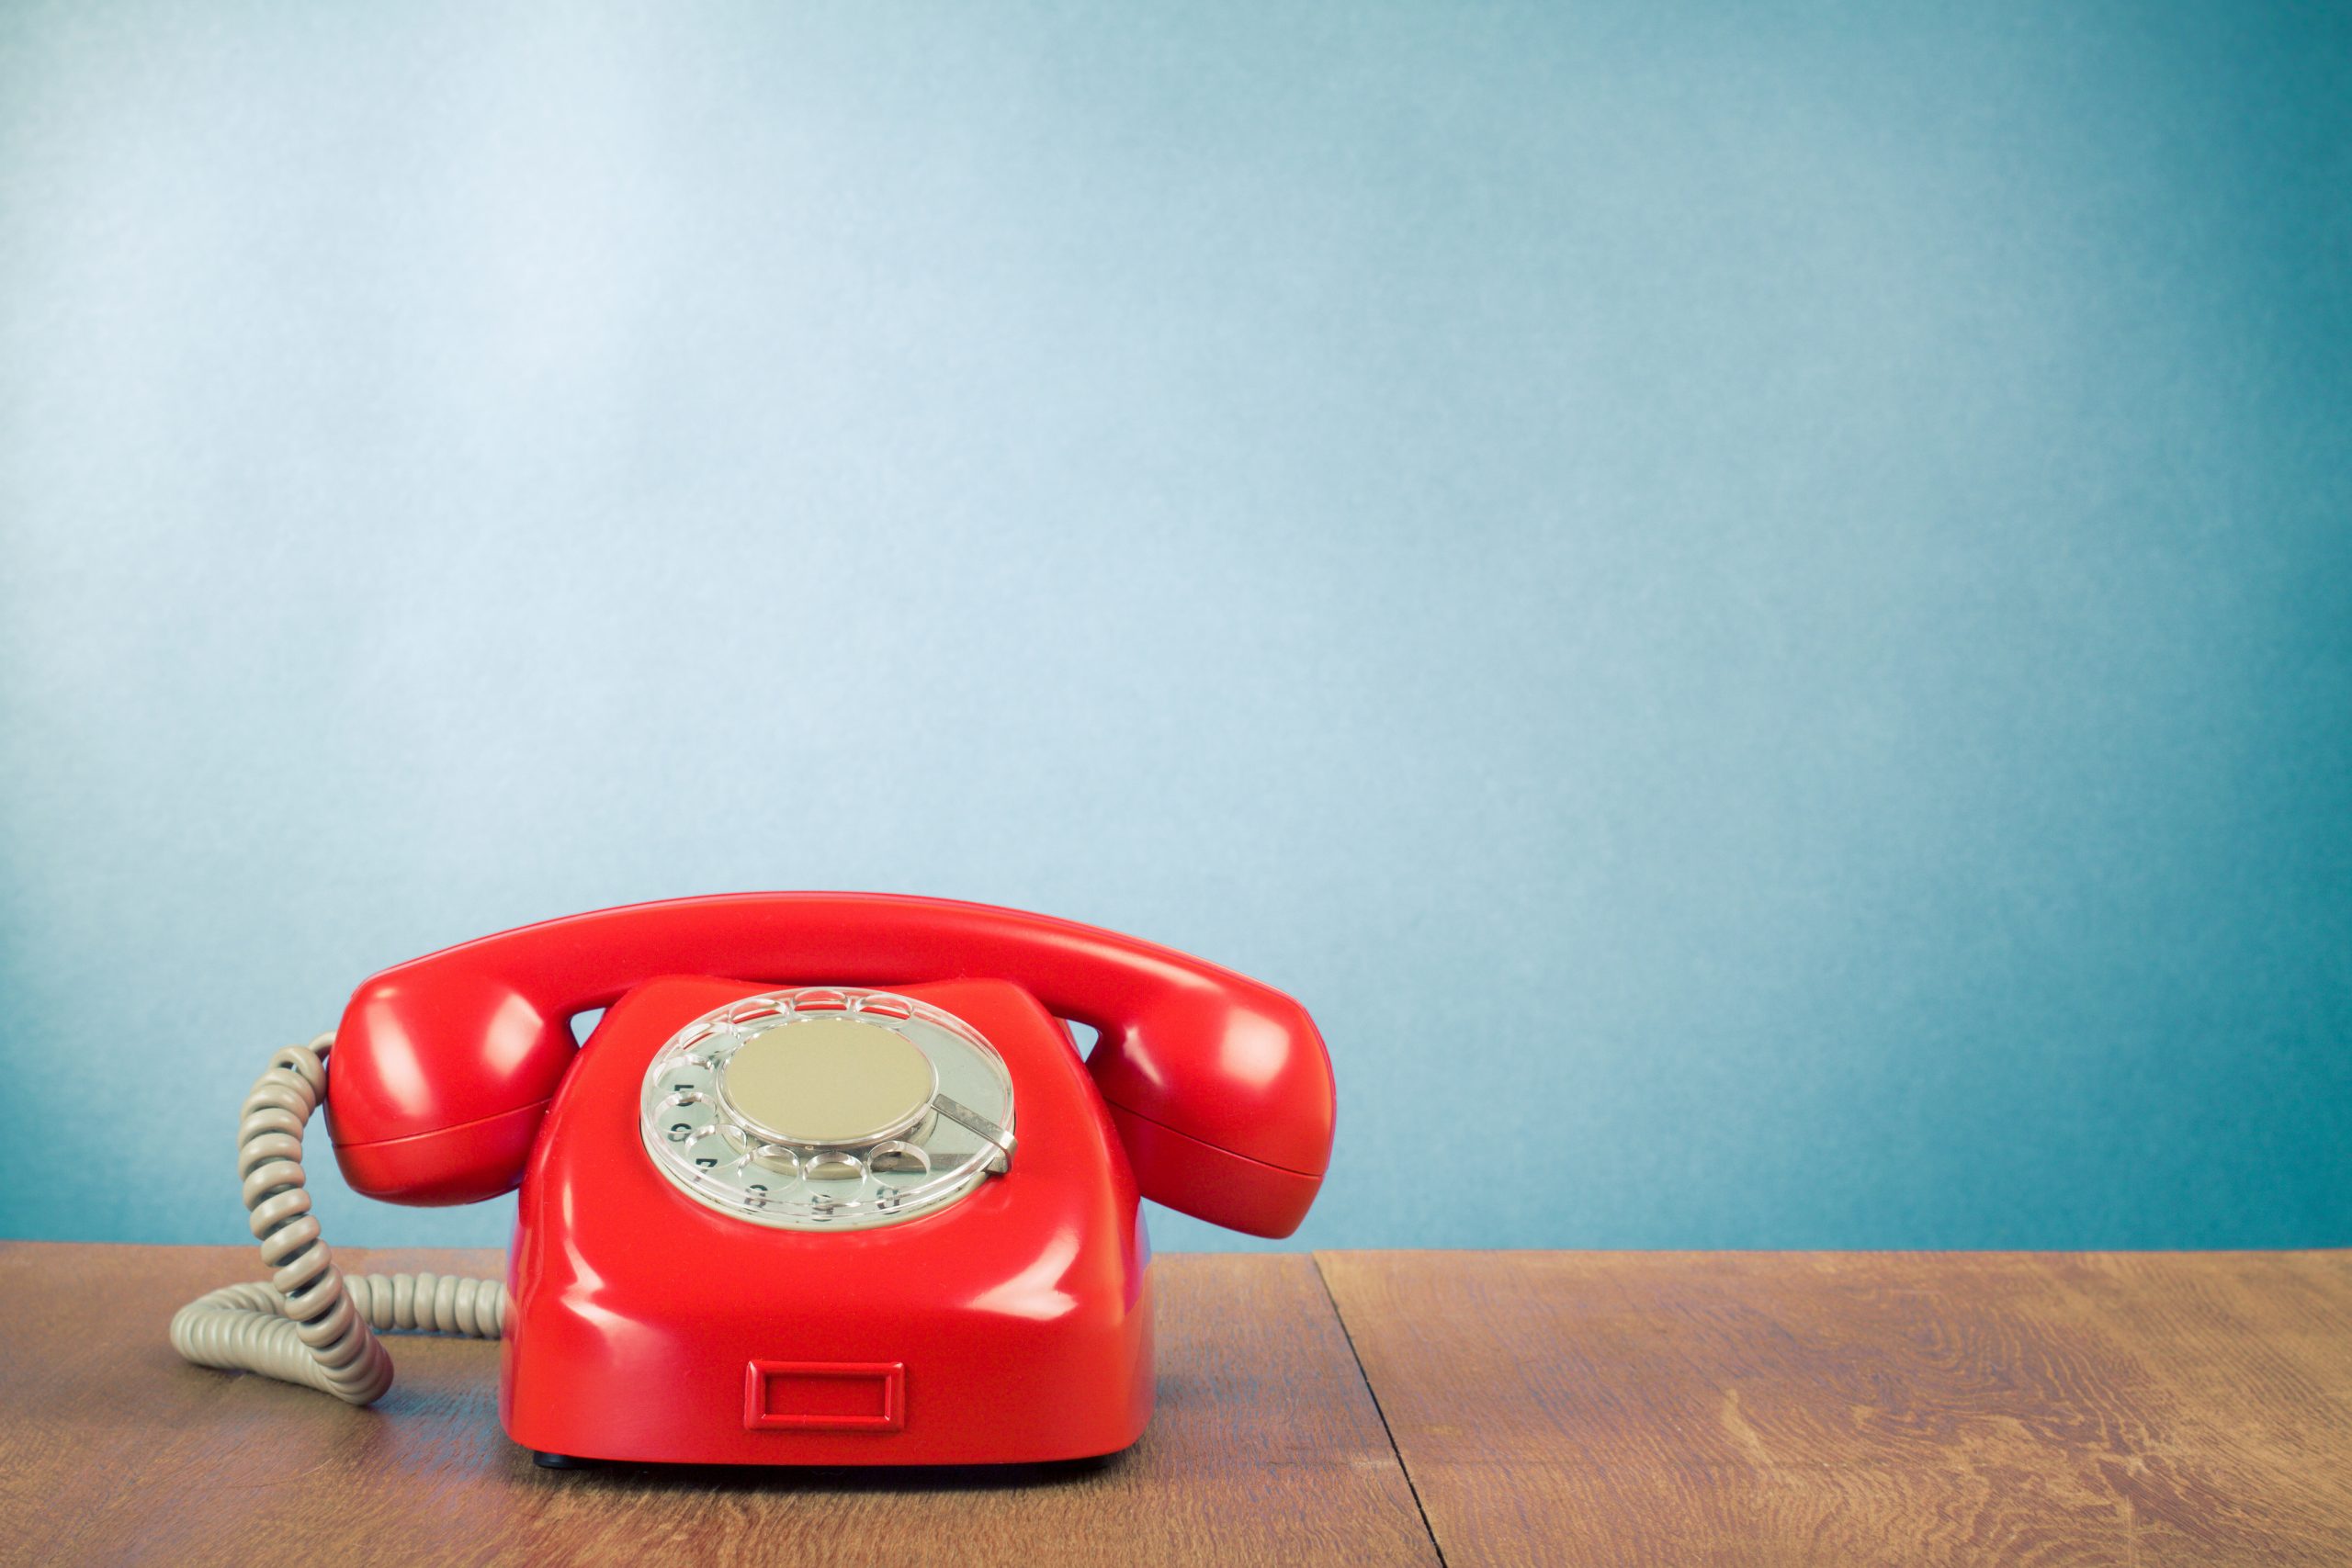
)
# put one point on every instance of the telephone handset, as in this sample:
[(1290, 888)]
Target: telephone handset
[(828, 1183)]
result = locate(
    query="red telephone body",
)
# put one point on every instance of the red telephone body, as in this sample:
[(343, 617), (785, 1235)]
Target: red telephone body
[(1013, 1324)]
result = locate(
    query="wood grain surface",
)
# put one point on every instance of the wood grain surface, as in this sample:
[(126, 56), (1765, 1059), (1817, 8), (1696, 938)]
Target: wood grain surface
[(1883, 1408), (1267, 1448), (1549, 1407)]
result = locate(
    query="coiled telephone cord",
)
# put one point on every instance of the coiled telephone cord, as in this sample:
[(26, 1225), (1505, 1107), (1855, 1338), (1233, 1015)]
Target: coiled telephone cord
[(312, 1323)]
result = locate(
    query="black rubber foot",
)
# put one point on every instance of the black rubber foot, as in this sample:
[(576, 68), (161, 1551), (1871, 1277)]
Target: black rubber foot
[(557, 1461)]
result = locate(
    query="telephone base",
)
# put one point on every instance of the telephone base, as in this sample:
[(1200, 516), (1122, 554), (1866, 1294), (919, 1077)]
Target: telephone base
[(649, 1328)]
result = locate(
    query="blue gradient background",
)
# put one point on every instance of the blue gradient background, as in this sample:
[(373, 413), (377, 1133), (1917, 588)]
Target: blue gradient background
[(1754, 606)]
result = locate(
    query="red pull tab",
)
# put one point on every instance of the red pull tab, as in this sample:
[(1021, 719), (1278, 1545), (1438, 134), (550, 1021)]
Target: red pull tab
[(825, 1396)]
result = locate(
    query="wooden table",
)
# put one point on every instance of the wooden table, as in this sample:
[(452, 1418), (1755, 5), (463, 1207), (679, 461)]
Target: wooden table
[(1368, 1408)]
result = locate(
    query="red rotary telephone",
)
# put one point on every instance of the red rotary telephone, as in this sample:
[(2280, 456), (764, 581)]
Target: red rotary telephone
[(829, 1184)]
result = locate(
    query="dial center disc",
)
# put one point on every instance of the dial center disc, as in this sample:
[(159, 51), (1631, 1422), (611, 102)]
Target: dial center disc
[(828, 1080)]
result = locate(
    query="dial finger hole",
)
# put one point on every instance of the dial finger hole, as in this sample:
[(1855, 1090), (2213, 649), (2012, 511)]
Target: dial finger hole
[(898, 1158), (760, 1012), (683, 1116), (689, 1078), (834, 1166), (711, 1151)]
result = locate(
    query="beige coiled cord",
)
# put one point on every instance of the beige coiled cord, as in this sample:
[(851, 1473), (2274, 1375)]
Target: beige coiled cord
[(311, 1324)]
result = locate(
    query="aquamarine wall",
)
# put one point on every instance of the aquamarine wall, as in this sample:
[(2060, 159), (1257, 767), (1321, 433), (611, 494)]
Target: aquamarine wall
[(1754, 604)]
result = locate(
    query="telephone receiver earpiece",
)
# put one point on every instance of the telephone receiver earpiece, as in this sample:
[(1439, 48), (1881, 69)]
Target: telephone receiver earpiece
[(1219, 1086)]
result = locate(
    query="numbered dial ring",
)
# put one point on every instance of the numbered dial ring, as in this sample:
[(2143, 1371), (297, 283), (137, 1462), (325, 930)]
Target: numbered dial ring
[(827, 1109)]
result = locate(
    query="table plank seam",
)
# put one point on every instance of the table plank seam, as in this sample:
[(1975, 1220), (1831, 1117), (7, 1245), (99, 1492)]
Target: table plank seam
[(1404, 1469)]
